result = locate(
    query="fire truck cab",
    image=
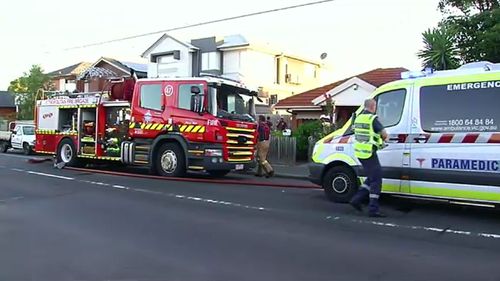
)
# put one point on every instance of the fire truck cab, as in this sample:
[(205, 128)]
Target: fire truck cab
[(169, 125)]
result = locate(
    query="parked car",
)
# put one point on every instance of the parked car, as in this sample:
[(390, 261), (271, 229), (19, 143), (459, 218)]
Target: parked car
[(19, 135)]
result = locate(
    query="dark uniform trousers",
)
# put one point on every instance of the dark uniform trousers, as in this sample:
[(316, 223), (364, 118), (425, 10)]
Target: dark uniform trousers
[(373, 184)]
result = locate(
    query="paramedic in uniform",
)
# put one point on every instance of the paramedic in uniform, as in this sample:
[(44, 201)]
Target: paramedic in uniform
[(369, 136), (263, 148)]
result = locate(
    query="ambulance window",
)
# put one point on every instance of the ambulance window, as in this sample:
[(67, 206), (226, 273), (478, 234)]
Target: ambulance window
[(462, 107), (185, 95), (151, 96), (390, 107)]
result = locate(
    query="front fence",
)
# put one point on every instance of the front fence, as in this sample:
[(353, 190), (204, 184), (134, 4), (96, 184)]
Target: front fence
[(283, 150)]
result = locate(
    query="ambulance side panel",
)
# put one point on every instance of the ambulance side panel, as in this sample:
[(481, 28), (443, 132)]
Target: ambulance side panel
[(455, 139)]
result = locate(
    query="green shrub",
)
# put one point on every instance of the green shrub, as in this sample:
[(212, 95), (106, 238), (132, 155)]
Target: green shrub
[(303, 132)]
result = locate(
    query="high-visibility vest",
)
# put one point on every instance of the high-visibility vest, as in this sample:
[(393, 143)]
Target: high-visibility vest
[(365, 137)]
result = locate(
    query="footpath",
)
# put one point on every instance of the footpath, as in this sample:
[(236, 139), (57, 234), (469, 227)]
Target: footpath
[(297, 171)]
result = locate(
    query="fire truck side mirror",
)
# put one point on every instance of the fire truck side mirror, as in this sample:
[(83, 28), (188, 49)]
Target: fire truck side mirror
[(197, 103), (195, 90)]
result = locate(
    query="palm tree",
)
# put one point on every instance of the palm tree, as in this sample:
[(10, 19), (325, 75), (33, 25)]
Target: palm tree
[(439, 51)]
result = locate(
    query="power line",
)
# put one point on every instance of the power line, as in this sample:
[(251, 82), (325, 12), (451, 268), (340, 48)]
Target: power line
[(200, 24)]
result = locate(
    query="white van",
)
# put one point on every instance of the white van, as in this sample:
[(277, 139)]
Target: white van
[(444, 139)]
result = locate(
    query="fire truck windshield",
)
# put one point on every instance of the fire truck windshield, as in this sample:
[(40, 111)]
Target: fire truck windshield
[(228, 102)]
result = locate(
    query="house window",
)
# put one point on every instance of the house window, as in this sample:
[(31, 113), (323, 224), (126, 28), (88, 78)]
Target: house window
[(210, 61), (278, 65), (185, 95), (273, 99), (165, 59), (151, 96)]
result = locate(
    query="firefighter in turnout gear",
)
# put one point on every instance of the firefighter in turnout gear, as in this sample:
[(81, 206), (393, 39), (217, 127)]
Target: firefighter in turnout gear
[(369, 136), (263, 149)]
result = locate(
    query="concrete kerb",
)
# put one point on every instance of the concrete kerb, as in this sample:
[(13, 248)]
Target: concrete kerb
[(279, 175)]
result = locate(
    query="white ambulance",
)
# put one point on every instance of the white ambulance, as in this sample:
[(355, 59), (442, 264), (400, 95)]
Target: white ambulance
[(444, 139)]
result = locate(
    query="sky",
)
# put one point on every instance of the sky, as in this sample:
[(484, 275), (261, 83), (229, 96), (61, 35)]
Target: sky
[(357, 35)]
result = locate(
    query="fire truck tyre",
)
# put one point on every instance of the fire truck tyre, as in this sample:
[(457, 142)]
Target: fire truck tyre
[(218, 173), (27, 149), (3, 147), (170, 161), (66, 153), (339, 184)]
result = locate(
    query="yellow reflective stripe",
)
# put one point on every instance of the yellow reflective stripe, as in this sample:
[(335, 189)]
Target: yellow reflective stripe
[(202, 130), (143, 125), (189, 128), (240, 129), (132, 125), (239, 159), (196, 128), (455, 193), (182, 128), (159, 127), (148, 126), (340, 156), (170, 128)]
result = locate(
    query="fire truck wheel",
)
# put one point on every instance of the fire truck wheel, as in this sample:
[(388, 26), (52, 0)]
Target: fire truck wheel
[(218, 173), (66, 153), (340, 184), (170, 161)]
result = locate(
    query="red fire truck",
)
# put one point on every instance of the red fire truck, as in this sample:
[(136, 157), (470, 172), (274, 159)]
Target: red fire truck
[(169, 125)]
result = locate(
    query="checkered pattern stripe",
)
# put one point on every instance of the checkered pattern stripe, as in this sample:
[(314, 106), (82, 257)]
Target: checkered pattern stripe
[(431, 138)]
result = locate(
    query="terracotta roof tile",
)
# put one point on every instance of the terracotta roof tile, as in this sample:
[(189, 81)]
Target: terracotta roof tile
[(376, 77)]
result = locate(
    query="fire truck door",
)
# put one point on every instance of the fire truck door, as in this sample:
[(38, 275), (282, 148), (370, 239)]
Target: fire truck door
[(148, 108)]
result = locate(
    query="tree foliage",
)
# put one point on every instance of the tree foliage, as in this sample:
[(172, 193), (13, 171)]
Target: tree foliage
[(472, 27), (26, 88), (439, 50)]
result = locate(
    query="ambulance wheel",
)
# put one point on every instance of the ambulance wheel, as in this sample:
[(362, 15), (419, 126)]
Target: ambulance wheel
[(218, 173), (170, 161), (340, 184), (66, 153)]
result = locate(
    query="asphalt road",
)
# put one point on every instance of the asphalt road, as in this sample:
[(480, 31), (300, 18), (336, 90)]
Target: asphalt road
[(73, 225)]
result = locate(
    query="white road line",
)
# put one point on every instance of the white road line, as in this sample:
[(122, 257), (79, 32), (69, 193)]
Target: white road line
[(11, 199), (212, 201), (17, 170), (424, 228), (177, 196), (49, 175)]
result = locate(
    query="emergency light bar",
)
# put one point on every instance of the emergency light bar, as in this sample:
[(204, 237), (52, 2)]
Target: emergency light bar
[(469, 68)]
